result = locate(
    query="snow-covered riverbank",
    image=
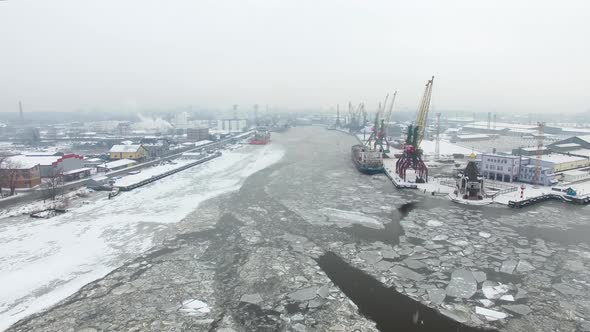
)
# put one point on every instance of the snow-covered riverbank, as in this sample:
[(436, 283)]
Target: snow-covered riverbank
[(44, 261)]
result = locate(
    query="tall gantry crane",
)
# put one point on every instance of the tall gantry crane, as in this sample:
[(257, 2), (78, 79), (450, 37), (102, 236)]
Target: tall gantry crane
[(379, 135), (412, 155), (373, 140)]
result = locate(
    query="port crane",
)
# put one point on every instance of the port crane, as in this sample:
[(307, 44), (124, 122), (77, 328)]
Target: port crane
[(379, 133), (412, 154), (355, 117)]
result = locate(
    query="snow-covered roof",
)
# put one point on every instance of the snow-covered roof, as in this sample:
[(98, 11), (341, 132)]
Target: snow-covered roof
[(534, 148), (585, 138), (472, 136), (500, 125), (495, 155), (559, 158), (203, 142), (26, 162), (574, 129), (125, 148), (119, 163), (580, 152), (79, 170), (39, 153), (523, 130), (575, 172), (567, 145)]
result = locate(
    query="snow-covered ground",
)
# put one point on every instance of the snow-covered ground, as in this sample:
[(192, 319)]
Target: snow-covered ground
[(44, 261), (148, 172), (445, 148)]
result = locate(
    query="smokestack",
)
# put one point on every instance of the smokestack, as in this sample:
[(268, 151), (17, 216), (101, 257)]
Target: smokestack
[(20, 111)]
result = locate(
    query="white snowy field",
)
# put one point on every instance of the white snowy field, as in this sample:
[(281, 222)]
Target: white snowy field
[(45, 260), (445, 148), (148, 172)]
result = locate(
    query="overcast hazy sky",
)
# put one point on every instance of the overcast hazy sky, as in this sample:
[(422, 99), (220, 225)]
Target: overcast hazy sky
[(511, 55)]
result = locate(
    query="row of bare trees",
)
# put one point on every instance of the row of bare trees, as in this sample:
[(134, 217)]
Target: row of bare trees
[(9, 172)]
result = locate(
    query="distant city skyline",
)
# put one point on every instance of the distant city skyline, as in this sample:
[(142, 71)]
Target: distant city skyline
[(504, 56)]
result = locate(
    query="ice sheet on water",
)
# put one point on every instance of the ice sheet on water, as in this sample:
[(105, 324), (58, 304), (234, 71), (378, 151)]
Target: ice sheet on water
[(520, 309), (479, 276), (489, 314), (406, 273), (347, 218), (493, 290), (524, 266), (508, 266), (434, 223), (194, 307), (437, 295), (251, 298), (485, 235), (462, 284), (86, 243), (440, 237)]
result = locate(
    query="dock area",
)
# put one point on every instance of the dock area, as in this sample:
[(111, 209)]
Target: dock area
[(131, 182), (389, 168)]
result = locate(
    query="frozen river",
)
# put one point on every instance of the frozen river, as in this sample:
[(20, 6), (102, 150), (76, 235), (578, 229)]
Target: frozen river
[(305, 244), (44, 261)]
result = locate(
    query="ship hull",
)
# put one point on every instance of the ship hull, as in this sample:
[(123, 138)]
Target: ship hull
[(259, 142), (368, 170), (370, 167)]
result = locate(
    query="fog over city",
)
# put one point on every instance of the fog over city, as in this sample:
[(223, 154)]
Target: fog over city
[(502, 56)]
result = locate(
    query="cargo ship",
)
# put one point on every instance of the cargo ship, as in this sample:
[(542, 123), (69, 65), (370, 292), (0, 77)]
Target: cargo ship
[(261, 136), (366, 160)]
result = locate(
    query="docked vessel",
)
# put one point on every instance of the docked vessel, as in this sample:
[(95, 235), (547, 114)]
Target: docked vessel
[(366, 160), (261, 136)]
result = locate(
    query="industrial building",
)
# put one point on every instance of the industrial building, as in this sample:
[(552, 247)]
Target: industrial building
[(503, 129), (25, 176), (44, 165), (473, 137), (197, 134), (510, 168), (499, 167), (232, 125), (531, 151)]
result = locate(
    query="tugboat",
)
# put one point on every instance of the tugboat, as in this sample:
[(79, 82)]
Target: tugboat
[(366, 160), (261, 136)]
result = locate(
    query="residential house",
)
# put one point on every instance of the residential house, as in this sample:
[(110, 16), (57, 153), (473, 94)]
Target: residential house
[(127, 151)]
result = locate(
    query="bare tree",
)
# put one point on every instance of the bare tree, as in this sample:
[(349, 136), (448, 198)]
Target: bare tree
[(10, 171), (55, 182), (2, 175)]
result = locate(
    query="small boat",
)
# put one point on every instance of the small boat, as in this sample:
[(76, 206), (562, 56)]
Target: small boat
[(134, 172), (114, 192)]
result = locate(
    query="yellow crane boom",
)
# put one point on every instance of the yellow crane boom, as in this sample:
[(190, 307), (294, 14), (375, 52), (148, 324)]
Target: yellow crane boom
[(423, 112)]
